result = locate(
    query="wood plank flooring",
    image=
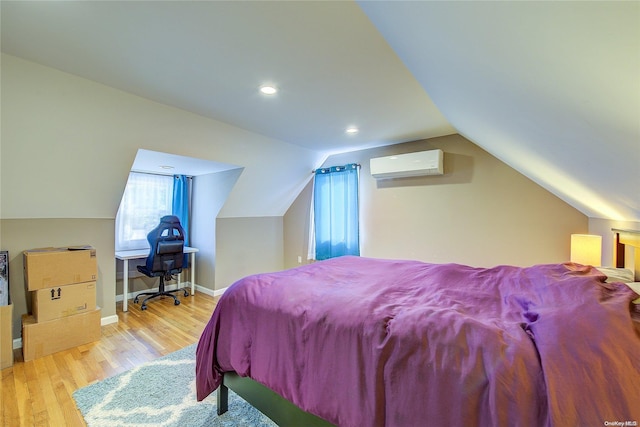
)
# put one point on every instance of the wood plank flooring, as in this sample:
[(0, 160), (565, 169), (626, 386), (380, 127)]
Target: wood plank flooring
[(39, 392)]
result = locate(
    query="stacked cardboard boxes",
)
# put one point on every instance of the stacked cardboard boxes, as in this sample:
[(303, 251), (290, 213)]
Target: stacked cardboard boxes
[(62, 284)]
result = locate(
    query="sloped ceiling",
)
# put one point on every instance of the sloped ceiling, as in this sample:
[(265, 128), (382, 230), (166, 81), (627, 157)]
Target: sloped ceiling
[(550, 88), (332, 67)]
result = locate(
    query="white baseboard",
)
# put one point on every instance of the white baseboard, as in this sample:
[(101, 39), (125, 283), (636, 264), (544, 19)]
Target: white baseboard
[(219, 292), (210, 292), (108, 320), (198, 288)]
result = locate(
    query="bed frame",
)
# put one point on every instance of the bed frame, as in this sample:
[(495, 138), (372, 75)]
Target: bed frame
[(284, 413), (270, 403)]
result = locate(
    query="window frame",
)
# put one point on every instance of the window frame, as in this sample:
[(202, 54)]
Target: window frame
[(135, 218)]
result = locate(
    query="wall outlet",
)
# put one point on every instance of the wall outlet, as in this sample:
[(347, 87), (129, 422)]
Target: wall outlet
[(299, 259)]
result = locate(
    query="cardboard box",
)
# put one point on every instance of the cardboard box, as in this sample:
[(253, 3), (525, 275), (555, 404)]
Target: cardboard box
[(6, 336), (44, 338), (48, 267), (61, 301)]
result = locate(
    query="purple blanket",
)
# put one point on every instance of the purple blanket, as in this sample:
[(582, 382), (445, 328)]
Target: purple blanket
[(366, 342)]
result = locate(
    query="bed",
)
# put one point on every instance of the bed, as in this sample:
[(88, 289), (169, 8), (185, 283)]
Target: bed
[(354, 341)]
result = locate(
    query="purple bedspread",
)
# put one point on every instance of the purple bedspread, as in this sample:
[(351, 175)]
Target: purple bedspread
[(367, 342)]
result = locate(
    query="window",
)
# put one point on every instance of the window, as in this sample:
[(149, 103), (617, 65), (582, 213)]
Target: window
[(146, 199), (335, 212)]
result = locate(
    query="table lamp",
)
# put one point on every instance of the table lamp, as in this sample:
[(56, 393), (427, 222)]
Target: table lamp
[(586, 249)]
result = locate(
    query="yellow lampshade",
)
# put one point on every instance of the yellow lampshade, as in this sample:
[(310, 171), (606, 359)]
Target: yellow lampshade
[(586, 249)]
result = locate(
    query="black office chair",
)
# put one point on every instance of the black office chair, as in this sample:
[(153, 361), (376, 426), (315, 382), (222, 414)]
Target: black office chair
[(166, 257)]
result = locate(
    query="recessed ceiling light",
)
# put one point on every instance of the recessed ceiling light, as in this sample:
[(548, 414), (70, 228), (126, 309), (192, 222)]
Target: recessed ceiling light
[(268, 89), (352, 130)]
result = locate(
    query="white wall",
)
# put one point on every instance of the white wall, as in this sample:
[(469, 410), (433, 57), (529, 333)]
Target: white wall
[(481, 212), (209, 195), (67, 148), (68, 145), (247, 246)]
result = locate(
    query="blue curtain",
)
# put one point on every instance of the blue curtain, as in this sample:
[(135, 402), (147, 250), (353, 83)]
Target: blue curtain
[(180, 206), (335, 205)]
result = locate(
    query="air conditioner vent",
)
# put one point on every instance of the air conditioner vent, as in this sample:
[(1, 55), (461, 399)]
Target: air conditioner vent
[(405, 165)]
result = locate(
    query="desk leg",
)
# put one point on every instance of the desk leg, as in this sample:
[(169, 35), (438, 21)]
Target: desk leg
[(125, 283), (193, 273)]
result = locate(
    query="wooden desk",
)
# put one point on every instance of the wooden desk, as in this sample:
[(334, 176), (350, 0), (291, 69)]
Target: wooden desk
[(125, 256)]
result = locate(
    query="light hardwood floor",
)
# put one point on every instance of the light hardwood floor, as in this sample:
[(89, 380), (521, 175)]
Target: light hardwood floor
[(39, 392)]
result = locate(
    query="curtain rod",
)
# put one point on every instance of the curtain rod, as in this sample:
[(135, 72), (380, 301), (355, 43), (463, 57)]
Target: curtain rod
[(160, 174), (315, 170)]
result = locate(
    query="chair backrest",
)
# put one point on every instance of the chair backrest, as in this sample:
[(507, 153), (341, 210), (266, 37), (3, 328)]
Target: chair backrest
[(166, 243)]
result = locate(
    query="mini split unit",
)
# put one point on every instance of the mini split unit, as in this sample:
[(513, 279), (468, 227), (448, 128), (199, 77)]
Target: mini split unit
[(405, 165)]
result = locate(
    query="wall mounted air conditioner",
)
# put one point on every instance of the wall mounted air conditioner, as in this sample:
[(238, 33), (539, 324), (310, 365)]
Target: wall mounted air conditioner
[(411, 164)]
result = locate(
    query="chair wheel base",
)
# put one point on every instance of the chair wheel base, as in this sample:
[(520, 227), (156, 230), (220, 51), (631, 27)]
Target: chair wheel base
[(160, 294)]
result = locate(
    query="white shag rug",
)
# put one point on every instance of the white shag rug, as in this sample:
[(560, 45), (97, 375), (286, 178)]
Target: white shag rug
[(161, 393)]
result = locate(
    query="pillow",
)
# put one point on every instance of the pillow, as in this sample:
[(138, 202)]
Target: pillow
[(635, 286), (614, 274)]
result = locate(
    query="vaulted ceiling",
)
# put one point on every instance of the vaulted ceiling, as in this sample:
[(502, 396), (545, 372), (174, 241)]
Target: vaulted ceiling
[(550, 88)]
